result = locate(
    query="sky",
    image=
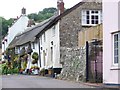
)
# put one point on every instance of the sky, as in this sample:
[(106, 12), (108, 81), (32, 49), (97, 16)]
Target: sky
[(12, 8)]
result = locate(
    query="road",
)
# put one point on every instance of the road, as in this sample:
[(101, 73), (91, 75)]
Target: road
[(25, 81)]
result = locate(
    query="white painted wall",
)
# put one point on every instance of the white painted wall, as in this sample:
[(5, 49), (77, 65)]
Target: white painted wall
[(55, 63), (110, 24), (19, 26)]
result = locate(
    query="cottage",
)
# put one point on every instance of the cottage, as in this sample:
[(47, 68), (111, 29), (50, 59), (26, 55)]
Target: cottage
[(111, 42), (59, 41), (19, 25), (27, 40)]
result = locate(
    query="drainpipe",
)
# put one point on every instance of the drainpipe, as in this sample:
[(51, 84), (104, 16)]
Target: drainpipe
[(87, 68)]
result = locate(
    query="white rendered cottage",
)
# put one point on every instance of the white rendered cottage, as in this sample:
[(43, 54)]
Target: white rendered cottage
[(111, 42), (18, 26)]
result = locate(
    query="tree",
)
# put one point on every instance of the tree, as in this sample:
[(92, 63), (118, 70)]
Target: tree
[(42, 15), (4, 24)]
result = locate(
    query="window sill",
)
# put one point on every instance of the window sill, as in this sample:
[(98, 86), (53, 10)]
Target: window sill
[(115, 68)]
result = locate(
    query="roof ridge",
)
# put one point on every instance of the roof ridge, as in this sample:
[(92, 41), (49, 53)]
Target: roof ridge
[(36, 26)]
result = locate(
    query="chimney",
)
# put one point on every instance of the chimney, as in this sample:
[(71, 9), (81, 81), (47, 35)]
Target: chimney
[(60, 6), (23, 11)]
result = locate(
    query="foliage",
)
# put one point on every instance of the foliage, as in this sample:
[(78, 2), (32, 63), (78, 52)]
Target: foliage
[(38, 17), (35, 67), (42, 71), (34, 61), (4, 25), (15, 70), (43, 15), (24, 65), (35, 56)]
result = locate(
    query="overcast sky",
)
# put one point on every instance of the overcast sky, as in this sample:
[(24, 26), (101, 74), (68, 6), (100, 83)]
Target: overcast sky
[(12, 8)]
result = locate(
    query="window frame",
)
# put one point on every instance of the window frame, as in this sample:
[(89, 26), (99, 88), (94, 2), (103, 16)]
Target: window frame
[(85, 19), (41, 40), (53, 30), (33, 44), (44, 37), (113, 62)]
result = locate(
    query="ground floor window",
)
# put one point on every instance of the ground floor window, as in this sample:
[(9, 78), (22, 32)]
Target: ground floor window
[(116, 48)]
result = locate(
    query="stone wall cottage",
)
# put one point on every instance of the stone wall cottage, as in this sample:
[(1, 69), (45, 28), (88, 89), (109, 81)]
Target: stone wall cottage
[(80, 17), (19, 25), (63, 48), (111, 42)]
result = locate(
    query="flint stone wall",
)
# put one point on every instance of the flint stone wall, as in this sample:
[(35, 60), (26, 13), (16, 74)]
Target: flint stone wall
[(74, 64)]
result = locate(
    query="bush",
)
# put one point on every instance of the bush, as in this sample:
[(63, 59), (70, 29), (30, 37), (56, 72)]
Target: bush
[(35, 56), (4, 68), (42, 71), (16, 70), (34, 61)]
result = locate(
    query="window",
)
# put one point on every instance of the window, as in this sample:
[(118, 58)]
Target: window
[(116, 47), (91, 17), (41, 40), (33, 45), (17, 50), (44, 37), (53, 31)]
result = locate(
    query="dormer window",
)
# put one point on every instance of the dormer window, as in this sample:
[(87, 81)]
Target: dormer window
[(91, 17)]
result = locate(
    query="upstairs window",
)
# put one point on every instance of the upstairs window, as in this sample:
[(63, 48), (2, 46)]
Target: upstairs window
[(53, 31), (33, 45), (44, 37), (91, 17), (41, 40), (116, 47)]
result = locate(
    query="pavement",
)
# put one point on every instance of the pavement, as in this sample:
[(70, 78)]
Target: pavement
[(30, 81), (25, 81)]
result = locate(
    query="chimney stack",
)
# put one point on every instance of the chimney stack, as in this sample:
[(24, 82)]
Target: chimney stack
[(23, 11), (60, 6)]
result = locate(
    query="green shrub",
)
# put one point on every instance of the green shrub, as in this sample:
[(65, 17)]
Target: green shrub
[(35, 56), (4, 68), (16, 70), (42, 72), (34, 61)]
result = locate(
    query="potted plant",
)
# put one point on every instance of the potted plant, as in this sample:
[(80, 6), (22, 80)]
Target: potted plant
[(35, 61), (42, 72), (50, 71)]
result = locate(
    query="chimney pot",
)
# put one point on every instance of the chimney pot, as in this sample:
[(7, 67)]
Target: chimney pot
[(23, 11)]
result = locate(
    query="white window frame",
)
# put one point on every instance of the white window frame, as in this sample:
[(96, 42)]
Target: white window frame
[(84, 17), (53, 30), (116, 64), (41, 40), (44, 37)]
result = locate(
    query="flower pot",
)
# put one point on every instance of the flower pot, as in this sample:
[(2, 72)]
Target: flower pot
[(50, 71)]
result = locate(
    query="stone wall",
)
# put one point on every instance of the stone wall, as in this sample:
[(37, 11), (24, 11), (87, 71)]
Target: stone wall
[(74, 64)]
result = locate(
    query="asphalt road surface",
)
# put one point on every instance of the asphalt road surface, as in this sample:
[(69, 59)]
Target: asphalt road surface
[(25, 81)]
